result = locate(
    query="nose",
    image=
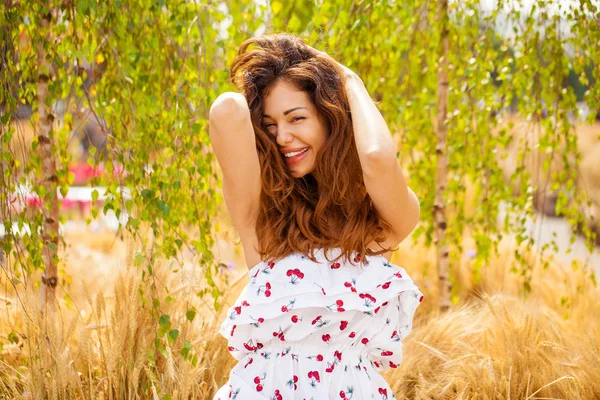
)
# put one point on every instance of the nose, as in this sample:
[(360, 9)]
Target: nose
[(284, 136)]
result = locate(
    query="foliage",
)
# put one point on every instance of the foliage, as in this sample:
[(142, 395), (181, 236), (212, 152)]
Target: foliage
[(156, 67)]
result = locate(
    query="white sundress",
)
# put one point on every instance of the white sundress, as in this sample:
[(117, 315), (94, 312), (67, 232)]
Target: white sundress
[(316, 331)]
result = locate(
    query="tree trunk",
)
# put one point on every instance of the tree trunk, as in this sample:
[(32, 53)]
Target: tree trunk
[(48, 169), (441, 177)]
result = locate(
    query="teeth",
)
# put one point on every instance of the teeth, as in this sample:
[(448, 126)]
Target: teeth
[(295, 153)]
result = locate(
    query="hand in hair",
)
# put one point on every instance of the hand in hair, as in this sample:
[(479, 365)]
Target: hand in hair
[(347, 72)]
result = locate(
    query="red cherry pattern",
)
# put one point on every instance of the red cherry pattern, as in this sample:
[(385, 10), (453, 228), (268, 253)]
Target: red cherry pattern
[(337, 307), (293, 382), (347, 394), (338, 355), (289, 306), (279, 335), (314, 375), (258, 381), (296, 275), (266, 288), (351, 285), (249, 347)]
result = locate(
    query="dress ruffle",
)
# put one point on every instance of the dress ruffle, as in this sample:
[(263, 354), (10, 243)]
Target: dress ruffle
[(295, 300)]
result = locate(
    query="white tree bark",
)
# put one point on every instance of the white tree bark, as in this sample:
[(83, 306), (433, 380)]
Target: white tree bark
[(441, 178), (50, 204)]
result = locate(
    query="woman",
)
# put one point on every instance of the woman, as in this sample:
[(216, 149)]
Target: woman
[(313, 186)]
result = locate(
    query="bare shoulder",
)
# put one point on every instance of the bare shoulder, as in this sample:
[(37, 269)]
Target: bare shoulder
[(226, 103)]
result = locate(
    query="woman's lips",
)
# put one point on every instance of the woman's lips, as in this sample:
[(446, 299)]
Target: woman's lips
[(297, 158)]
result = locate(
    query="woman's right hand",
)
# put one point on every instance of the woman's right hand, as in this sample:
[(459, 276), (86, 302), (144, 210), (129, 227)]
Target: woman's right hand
[(347, 72)]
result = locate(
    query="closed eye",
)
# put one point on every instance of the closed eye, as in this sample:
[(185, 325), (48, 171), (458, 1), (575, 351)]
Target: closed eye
[(293, 120)]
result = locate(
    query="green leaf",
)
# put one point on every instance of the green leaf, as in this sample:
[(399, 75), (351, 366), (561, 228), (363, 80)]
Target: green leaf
[(13, 338), (147, 194), (276, 7), (173, 334), (164, 207), (164, 319), (82, 6), (294, 24), (191, 314)]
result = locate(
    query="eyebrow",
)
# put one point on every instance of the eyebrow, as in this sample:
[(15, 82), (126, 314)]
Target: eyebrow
[(284, 113)]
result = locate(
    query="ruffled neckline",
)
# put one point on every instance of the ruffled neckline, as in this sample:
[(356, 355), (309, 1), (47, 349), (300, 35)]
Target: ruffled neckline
[(318, 252)]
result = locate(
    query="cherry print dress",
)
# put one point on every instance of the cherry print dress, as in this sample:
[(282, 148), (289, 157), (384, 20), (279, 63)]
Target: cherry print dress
[(316, 331)]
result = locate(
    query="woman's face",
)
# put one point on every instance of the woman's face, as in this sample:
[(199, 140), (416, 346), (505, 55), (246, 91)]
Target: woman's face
[(292, 119)]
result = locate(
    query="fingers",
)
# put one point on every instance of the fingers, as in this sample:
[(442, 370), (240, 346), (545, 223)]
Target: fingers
[(318, 51)]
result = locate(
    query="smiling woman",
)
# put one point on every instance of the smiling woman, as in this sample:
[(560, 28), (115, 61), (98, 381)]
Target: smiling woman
[(297, 101), (300, 131), (307, 192)]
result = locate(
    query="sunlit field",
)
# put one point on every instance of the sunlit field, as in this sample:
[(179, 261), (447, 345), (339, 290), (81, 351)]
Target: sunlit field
[(494, 343)]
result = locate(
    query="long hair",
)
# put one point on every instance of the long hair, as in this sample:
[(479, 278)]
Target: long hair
[(293, 211)]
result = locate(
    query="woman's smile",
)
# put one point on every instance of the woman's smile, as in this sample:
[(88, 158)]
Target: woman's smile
[(292, 119), (296, 158)]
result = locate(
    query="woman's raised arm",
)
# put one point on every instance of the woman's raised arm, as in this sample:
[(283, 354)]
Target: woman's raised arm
[(233, 141)]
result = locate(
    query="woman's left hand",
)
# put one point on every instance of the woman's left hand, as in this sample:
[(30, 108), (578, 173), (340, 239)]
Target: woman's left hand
[(348, 73)]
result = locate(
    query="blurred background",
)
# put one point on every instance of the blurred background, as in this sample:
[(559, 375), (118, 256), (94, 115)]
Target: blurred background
[(111, 191)]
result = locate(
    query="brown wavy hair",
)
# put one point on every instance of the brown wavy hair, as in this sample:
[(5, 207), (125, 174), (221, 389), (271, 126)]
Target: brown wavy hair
[(293, 211)]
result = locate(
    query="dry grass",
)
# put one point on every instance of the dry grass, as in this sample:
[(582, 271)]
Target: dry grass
[(497, 345), (100, 340), (20, 145), (493, 345)]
